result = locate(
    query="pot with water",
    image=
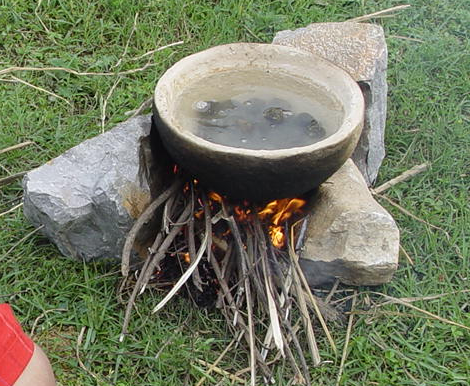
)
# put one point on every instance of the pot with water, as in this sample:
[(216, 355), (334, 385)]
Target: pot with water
[(258, 121)]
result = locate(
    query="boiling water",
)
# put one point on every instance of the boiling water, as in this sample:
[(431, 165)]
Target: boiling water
[(248, 109)]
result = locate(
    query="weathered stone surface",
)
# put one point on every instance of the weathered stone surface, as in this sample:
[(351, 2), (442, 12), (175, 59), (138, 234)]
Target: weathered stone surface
[(88, 198), (361, 50), (349, 235)]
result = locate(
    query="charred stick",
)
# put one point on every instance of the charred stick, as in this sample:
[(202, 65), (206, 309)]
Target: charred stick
[(251, 329), (208, 224), (150, 264), (142, 220), (196, 278), (159, 254)]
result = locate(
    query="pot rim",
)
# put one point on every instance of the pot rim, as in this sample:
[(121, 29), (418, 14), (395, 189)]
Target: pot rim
[(351, 119)]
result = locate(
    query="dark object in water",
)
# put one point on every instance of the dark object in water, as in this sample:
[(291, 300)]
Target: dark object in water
[(274, 114)]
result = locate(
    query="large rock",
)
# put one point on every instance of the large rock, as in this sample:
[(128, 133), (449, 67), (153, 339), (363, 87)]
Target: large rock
[(89, 197), (361, 50), (349, 237)]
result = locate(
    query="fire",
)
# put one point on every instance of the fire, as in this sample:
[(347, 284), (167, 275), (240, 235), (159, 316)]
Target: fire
[(241, 214), (215, 197), (280, 211)]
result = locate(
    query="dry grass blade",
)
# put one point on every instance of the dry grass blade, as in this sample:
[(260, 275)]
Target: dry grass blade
[(430, 314), (405, 176), (9, 179), (105, 103), (346, 342), (145, 105), (36, 321), (40, 89), (158, 49), (383, 13), (15, 147), (36, 13), (408, 213), (220, 371), (183, 278), (219, 358), (21, 240), (77, 354), (11, 209), (408, 257), (405, 38), (9, 70), (126, 47)]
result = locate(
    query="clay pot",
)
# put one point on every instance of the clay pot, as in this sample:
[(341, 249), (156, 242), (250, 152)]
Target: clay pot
[(259, 175)]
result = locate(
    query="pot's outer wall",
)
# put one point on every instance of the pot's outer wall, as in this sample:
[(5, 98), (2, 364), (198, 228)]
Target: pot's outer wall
[(256, 179), (259, 175)]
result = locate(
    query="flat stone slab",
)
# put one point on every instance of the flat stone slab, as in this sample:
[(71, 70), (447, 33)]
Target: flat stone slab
[(361, 50), (88, 198), (349, 236)]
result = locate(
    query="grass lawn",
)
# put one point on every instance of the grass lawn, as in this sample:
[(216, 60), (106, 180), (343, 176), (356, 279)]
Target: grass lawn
[(59, 301)]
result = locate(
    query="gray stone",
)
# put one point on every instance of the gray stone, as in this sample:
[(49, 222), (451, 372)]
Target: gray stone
[(89, 197), (349, 236), (361, 50)]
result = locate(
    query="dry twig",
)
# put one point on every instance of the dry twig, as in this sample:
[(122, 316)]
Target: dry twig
[(77, 354), (105, 103), (21, 240), (408, 257), (434, 316), (15, 147), (11, 209), (9, 179), (220, 371), (40, 89), (126, 47), (380, 14), (36, 321), (405, 176), (158, 49)]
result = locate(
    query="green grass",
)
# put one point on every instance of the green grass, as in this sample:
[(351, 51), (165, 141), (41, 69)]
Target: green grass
[(428, 120)]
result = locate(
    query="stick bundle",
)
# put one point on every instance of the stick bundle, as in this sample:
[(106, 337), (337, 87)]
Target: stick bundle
[(227, 259)]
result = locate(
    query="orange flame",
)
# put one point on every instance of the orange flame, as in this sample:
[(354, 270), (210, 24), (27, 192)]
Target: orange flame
[(241, 214), (215, 197), (280, 211)]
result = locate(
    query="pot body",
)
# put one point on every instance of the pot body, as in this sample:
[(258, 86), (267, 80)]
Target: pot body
[(259, 175)]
